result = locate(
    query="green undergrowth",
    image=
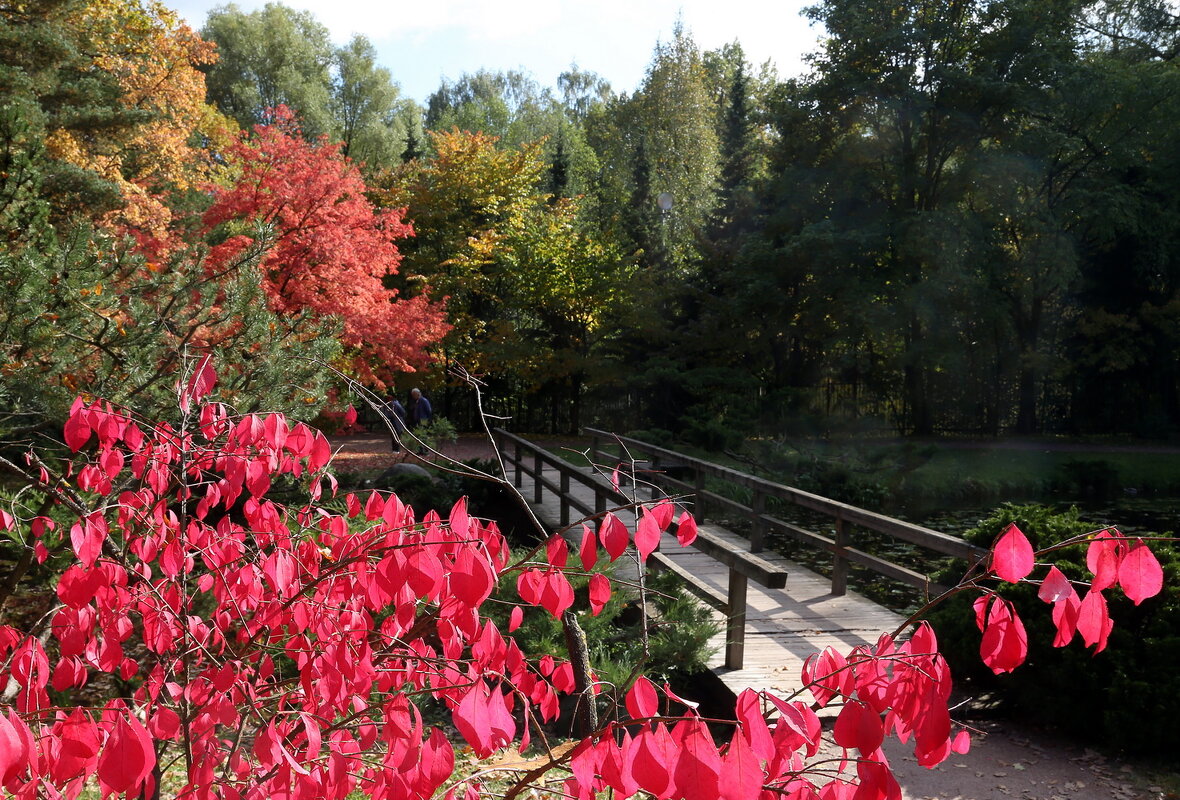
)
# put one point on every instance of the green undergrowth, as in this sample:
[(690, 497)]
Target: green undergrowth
[(921, 476), (1127, 697)]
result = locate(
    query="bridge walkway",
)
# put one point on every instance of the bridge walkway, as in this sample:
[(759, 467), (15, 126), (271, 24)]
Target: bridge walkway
[(782, 626)]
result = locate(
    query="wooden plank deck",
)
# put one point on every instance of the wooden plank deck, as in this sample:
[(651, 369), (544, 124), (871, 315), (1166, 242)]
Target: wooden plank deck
[(783, 626)]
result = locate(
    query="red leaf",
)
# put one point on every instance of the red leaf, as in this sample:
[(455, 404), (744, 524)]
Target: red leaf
[(663, 512), (459, 519), (202, 381), (257, 478), (1012, 556), (648, 761), (741, 772), (858, 726), (77, 427), (686, 530), (349, 416), (14, 755), (1055, 587), (642, 701), (1065, 617), (320, 453), (557, 551), (1094, 619), (128, 757), (698, 765), (647, 536), (754, 728), (1140, 574), (1102, 558), (528, 586), (515, 617), (876, 781), (473, 719), (164, 723), (599, 593), (87, 536), (1005, 642), (79, 747), (556, 593), (614, 536), (472, 578), (588, 551)]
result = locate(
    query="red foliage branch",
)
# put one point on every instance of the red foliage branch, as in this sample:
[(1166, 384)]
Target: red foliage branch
[(284, 652)]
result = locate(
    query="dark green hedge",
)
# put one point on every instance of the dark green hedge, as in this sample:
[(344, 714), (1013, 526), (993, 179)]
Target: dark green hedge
[(1126, 697)]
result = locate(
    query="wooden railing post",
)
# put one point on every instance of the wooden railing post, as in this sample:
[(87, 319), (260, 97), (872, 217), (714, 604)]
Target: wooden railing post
[(757, 527), (654, 460), (516, 462), (565, 498), (840, 563), (595, 452), (698, 487), (735, 631), (537, 487)]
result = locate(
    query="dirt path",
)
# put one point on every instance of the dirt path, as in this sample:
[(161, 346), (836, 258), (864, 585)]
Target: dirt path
[(368, 452), (1008, 762)]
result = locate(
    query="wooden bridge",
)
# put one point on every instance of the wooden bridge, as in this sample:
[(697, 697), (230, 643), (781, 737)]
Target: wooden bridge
[(773, 613)]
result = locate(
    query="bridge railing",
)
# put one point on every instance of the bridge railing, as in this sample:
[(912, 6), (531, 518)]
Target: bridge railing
[(522, 457), (846, 518)]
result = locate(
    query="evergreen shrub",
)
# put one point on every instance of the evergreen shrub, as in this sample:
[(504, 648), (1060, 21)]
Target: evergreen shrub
[(1132, 687)]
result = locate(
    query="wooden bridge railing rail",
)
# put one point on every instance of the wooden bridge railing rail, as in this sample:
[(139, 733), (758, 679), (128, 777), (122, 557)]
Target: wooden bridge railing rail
[(522, 457), (845, 517)]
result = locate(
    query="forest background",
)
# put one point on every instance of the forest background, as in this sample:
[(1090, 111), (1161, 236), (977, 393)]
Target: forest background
[(962, 219)]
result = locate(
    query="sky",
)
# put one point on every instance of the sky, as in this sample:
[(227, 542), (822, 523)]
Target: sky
[(426, 40)]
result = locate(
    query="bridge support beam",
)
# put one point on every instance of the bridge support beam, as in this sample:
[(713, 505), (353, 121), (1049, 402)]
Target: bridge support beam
[(840, 564), (735, 634)]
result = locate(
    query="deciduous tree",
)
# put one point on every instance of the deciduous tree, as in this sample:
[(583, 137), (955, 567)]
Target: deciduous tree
[(270, 57), (517, 267), (328, 251)]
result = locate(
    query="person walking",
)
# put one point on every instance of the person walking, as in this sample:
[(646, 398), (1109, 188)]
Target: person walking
[(395, 417), (418, 413)]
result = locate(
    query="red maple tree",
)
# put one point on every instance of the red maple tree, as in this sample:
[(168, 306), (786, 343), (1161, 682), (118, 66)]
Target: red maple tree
[(328, 250)]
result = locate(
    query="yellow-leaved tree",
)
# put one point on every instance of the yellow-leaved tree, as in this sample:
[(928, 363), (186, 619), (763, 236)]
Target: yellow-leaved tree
[(155, 59), (527, 285)]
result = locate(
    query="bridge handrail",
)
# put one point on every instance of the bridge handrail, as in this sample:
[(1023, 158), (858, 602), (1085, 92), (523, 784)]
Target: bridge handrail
[(843, 514), (751, 565), (742, 565)]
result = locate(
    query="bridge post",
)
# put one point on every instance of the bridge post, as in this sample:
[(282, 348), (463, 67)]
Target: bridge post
[(698, 487), (757, 527), (537, 487), (516, 463), (840, 564), (595, 451), (735, 631), (655, 470), (565, 503)]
